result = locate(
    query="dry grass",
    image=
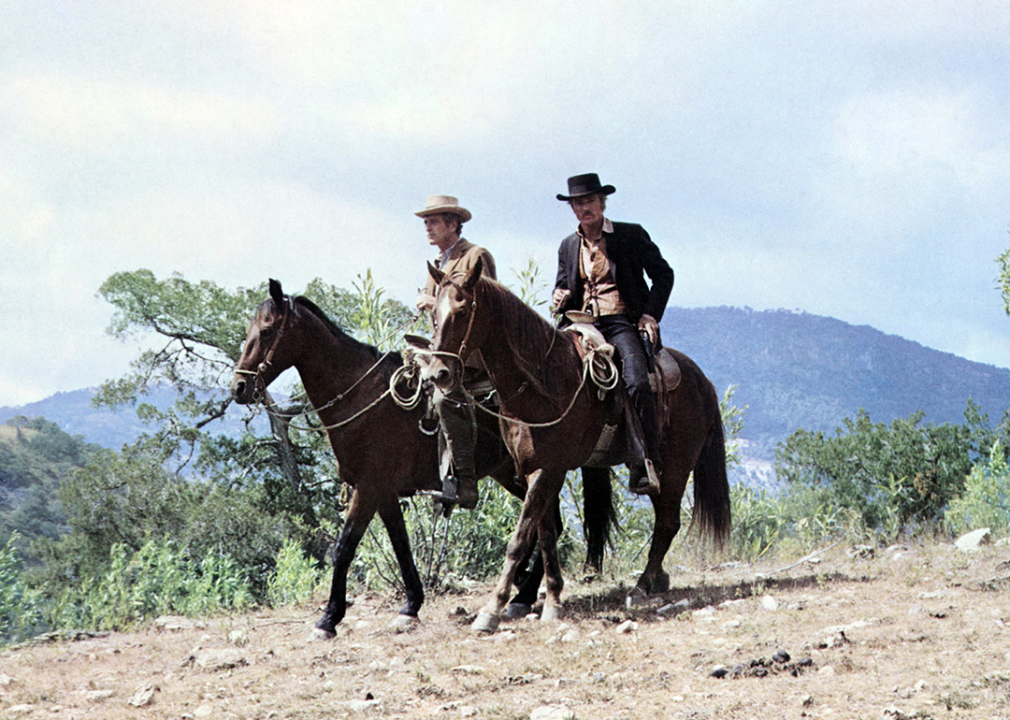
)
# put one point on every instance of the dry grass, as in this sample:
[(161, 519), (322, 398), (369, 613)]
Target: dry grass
[(920, 634)]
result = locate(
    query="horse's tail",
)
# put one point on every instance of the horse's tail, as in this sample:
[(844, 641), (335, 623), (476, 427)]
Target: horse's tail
[(711, 487), (599, 515)]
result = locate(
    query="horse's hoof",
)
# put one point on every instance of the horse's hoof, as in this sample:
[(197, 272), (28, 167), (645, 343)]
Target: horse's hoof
[(517, 611), (485, 623), (404, 623), (320, 635), (550, 614)]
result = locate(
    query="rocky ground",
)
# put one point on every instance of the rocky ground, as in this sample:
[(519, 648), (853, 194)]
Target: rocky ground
[(856, 632)]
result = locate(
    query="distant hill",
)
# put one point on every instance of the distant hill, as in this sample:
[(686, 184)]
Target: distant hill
[(796, 370), (792, 370)]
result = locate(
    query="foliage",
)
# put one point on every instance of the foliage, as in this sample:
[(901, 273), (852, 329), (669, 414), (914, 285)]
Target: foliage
[(531, 285), (35, 457), (1004, 278), (469, 545), (986, 498), (157, 579), (892, 476), (294, 578), (19, 609)]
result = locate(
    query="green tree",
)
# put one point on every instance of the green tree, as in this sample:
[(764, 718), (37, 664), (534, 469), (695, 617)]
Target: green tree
[(1004, 278), (893, 475)]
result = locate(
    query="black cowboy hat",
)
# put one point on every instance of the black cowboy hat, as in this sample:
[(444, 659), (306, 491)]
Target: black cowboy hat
[(588, 184)]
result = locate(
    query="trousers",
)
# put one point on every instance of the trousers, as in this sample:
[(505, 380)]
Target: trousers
[(622, 333)]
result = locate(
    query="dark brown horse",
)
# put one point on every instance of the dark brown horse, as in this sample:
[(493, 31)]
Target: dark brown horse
[(381, 451), (552, 420)]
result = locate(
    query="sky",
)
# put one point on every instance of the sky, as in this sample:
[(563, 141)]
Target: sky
[(848, 159)]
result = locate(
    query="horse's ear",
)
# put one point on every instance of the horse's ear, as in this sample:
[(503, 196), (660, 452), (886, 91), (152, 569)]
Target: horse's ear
[(276, 292), (474, 275), (436, 274)]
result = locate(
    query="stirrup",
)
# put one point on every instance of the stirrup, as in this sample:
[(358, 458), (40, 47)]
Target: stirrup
[(648, 482)]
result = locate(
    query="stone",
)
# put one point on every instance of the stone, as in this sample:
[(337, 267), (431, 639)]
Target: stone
[(552, 712), (769, 603), (220, 658), (173, 623), (970, 542), (627, 627), (143, 697)]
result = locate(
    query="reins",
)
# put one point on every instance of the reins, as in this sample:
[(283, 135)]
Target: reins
[(402, 373)]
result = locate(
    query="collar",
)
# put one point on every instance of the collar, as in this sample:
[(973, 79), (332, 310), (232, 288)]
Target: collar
[(608, 229), (445, 255)]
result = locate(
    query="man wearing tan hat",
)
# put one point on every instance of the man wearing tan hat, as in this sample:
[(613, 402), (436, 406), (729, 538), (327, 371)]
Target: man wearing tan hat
[(443, 222)]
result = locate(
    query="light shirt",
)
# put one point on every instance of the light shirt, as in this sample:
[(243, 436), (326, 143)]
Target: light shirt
[(600, 295)]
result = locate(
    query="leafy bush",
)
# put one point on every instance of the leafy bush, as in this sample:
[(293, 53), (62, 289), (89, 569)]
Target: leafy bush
[(295, 576), (18, 605), (986, 498), (155, 580)]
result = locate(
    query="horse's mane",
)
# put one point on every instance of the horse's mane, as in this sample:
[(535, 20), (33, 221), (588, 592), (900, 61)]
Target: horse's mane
[(528, 335), (392, 361)]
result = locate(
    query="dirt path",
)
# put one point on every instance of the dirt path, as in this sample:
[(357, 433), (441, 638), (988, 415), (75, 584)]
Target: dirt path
[(916, 633)]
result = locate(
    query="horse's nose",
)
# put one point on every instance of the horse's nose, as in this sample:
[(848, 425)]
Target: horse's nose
[(238, 389)]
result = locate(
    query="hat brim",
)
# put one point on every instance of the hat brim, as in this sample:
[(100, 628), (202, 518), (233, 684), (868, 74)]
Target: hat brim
[(462, 213), (605, 190)]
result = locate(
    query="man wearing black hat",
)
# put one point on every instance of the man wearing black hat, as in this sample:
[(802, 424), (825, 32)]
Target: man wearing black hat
[(601, 271)]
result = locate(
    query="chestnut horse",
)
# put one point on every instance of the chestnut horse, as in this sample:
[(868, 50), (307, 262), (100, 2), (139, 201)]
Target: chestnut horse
[(551, 420), (380, 449)]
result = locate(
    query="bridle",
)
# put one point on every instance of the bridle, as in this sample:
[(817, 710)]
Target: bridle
[(259, 386)]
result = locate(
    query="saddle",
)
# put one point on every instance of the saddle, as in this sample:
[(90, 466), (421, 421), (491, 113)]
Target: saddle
[(663, 379)]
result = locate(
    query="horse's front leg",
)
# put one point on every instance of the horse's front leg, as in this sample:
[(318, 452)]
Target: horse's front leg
[(535, 505), (392, 518), (359, 514)]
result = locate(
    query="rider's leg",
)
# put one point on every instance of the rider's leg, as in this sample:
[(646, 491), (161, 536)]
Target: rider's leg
[(623, 335), (456, 418)]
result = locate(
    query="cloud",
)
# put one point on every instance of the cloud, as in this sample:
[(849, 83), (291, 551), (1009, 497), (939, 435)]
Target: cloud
[(98, 115)]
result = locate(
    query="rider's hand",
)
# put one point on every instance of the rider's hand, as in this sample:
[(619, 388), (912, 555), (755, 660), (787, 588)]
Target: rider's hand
[(425, 301), (651, 328), (559, 298)]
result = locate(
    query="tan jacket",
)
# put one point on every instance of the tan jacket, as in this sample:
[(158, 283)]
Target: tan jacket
[(462, 258)]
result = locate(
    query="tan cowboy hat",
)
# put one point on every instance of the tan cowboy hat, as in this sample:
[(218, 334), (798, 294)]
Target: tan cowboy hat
[(443, 204)]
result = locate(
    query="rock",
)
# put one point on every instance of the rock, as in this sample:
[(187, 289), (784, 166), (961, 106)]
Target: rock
[(468, 670), (626, 627), (719, 671), (769, 603), (970, 542), (143, 697), (19, 710), (205, 711), (238, 637), (220, 658), (100, 695), (467, 711), (674, 608), (6, 681), (552, 712), (781, 657), (826, 671), (173, 623)]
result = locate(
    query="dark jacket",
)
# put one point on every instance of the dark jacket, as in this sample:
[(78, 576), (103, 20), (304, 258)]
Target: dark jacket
[(632, 256)]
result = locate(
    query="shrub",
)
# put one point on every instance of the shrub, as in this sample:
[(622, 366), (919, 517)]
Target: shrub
[(985, 501), (295, 577)]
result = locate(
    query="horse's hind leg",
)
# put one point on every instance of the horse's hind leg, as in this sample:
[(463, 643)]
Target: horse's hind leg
[(392, 518), (666, 506), (359, 514)]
